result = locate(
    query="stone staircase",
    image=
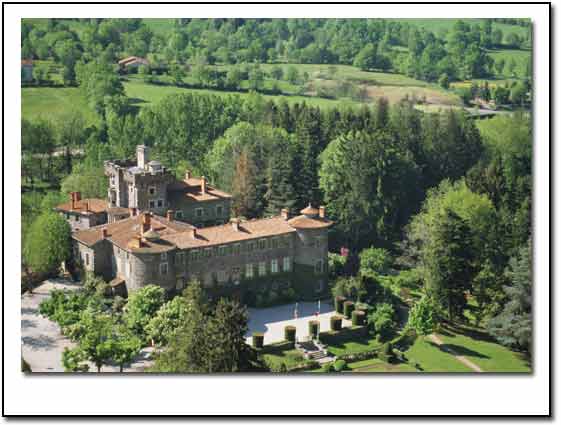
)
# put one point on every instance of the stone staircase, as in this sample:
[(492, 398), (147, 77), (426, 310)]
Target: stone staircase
[(314, 351)]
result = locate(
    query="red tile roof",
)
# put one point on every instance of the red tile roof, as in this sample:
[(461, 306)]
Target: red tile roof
[(305, 222), (190, 189), (84, 206)]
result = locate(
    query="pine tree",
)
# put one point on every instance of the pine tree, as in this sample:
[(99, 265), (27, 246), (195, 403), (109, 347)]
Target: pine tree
[(280, 192)]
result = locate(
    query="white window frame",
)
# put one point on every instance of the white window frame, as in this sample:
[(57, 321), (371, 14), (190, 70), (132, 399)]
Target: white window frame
[(249, 270), (199, 212), (264, 242), (286, 264), (222, 276), (195, 255), (274, 265), (262, 268), (164, 269), (164, 256)]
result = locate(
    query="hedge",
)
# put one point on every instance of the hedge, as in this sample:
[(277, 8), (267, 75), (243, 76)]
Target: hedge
[(386, 353), (258, 339), (313, 328), (356, 357), (340, 365), (358, 317), (339, 301), (336, 323), (348, 308), (290, 333)]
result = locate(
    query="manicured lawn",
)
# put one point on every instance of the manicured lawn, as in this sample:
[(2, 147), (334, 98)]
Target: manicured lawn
[(289, 358), (54, 102), (378, 366), (432, 358), (354, 346), (478, 347)]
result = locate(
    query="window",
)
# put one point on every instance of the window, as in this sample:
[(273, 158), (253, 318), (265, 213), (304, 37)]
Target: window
[(164, 256), (237, 249), (319, 287), (160, 203), (219, 210), (286, 263), (152, 204), (152, 190), (208, 252), (275, 243), (319, 266), (180, 258), (249, 270), (163, 269), (76, 218), (195, 255), (222, 250), (222, 276), (199, 212), (249, 246), (262, 270), (87, 259), (274, 266), (112, 179), (229, 249), (287, 240), (318, 242), (179, 214), (262, 244)]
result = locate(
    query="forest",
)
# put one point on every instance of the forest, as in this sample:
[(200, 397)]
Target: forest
[(445, 197)]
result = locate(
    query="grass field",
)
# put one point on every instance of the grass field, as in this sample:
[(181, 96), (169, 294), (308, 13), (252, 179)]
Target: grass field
[(354, 346), (54, 102), (379, 366)]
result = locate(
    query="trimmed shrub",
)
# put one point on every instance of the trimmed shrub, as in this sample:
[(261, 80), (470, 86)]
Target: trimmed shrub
[(336, 323), (358, 317), (386, 353), (339, 365), (339, 301), (348, 308), (258, 339), (356, 357), (313, 328), (290, 333), (327, 367)]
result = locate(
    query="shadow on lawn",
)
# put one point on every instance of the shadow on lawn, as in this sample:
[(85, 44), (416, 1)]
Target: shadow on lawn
[(458, 350)]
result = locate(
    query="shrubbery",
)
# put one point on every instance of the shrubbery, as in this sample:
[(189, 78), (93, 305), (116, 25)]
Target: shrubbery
[(336, 323), (339, 301), (386, 353), (348, 308), (340, 365), (358, 317)]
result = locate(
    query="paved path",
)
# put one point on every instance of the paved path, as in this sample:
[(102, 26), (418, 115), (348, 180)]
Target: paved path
[(434, 338), (42, 344), (272, 320)]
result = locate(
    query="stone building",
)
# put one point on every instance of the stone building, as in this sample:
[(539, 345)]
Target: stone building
[(239, 258), (149, 186), (83, 213)]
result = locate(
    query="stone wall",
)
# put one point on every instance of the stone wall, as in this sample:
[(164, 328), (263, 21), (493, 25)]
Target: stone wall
[(209, 211)]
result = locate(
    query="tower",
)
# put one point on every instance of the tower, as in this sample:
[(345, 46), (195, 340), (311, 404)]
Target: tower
[(142, 156)]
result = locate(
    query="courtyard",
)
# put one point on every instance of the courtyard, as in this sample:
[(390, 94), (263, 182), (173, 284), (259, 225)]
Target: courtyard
[(272, 320)]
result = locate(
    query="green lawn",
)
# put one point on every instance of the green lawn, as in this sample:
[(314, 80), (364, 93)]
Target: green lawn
[(432, 359), (483, 351), (54, 102), (378, 366), (354, 346), (290, 358)]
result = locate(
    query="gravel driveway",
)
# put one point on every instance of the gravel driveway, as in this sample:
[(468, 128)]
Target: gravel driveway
[(42, 344)]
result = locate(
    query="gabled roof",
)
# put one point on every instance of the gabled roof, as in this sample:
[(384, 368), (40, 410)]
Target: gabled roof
[(132, 59), (84, 206), (226, 233)]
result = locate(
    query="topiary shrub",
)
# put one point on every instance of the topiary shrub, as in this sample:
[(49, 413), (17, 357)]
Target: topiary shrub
[(348, 308), (313, 328), (258, 339), (290, 333), (386, 353), (358, 317), (339, 301), (340, 365), (336, 323)]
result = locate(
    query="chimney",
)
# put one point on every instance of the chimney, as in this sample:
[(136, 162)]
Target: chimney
[(321, 211), (235, 224), (194, 233), (284, 213), (203, 184), (187, 174), (87, 205), (145, 222), (104, 233), (169, 215), (142, 158)]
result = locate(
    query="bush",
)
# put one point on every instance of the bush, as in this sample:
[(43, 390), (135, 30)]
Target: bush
[(313, 328), (336, 323), (339, 301), (356, 357), (327, 367), (375, 261), (358, 317), (386, 353), (290, 333), (340, 365), (381, 320), (348, 308), (258, 339)]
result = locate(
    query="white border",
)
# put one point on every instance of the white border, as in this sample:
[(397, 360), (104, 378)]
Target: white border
[(297, 394)]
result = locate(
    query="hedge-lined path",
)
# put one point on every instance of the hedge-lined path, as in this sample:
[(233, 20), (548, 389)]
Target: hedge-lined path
[(434, 338)]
